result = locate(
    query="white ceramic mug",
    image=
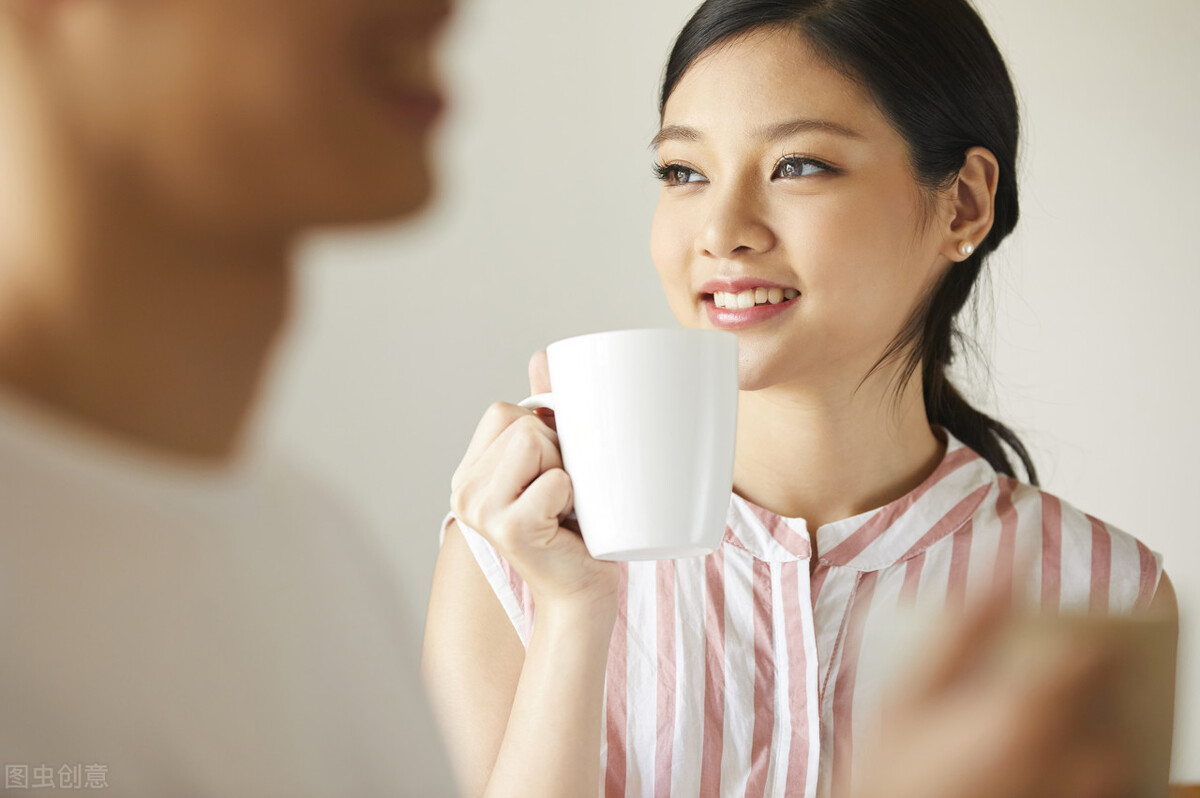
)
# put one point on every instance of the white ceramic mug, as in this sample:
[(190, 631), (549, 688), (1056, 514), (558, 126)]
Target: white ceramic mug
[(647, 423)]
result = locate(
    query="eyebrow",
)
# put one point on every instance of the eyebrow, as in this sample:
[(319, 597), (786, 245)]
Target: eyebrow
[(770, 133)]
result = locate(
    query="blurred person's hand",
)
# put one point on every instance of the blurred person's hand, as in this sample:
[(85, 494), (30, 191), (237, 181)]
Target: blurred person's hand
[(974, 724), (511, 488)]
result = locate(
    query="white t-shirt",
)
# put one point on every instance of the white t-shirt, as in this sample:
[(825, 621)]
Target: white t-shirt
[(170, 630)]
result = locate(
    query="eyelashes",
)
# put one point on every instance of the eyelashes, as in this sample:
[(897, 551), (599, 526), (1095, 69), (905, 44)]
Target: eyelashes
[(673, 174), (794, 166), (789, 167)]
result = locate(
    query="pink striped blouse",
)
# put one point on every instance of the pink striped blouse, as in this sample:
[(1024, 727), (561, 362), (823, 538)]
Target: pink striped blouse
[(740, 674)]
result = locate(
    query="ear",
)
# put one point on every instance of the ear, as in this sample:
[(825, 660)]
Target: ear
[(974, 204)]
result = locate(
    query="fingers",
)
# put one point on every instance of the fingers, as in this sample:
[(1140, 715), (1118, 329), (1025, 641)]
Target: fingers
[(511, 489), (539, 382), (485, 488), (522, 453), (539, 372), (500, 415), (496, 419), (532, 521), (549, 497)]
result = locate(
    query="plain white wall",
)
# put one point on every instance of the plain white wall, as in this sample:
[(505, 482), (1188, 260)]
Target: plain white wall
[(1090, 320)]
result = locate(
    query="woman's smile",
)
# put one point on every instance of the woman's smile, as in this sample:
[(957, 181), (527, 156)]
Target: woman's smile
[(736, 303)]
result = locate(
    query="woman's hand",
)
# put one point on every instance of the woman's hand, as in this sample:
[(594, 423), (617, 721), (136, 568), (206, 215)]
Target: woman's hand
[(511, 488)]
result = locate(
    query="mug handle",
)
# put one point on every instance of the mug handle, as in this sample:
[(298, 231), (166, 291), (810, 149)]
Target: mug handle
[(545, 400)]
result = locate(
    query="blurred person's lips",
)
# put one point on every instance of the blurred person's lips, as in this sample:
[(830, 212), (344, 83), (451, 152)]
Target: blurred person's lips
[(402, 54), (422, 22), (412, 86), (420, 106), (432, 18)]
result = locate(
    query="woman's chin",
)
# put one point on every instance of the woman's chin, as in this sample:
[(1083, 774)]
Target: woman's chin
[(755, 376)]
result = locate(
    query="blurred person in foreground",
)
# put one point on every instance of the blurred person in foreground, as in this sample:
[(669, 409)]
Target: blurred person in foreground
[(181, 615)]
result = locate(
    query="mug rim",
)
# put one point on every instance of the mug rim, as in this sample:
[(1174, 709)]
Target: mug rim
[(640, 331)]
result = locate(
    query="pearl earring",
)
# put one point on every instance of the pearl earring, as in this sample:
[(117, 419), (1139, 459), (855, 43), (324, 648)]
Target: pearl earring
[(966, 248)]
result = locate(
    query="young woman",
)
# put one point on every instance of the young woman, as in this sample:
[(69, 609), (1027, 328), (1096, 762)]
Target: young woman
[(835, 174)]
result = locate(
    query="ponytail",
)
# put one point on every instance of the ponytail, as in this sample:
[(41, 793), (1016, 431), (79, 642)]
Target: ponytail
[(944, 405)]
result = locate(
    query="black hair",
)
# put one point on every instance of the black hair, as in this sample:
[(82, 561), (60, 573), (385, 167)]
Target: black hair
[(934, 71)]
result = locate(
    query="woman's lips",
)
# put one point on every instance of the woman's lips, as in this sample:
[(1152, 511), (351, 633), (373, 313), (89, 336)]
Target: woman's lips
[(737, 302), (739, 318)]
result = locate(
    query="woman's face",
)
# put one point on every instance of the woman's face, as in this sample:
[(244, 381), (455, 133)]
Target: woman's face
[(781, 175), (260, 112)]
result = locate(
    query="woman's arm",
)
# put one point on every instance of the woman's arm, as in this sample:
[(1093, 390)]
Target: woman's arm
[(552, 743), (520, 723), (472, 660), (516, 723)]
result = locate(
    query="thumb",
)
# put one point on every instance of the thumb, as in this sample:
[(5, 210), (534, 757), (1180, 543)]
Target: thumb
[(539, 373)]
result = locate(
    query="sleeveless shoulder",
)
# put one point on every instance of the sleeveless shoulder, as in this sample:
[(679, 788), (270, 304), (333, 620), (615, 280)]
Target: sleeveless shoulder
[(1078, 562), (510, 589)]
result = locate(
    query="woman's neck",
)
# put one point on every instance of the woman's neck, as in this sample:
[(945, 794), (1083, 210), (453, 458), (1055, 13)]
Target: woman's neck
[(159, 339), (804, 454)]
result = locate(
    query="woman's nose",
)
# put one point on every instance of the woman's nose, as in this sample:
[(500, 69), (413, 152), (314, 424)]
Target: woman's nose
[(734, 226)]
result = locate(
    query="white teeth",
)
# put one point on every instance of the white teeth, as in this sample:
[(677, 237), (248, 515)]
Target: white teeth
[(753, 296)]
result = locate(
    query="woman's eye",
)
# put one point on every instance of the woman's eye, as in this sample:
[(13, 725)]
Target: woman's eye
[(675, 175), (795, 166)]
